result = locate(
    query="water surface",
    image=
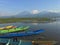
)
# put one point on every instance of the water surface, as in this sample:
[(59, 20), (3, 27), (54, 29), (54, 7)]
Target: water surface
[(52, 29)]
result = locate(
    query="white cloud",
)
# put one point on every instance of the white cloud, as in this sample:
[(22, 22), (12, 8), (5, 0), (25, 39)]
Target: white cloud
[(38, 11), (35, 11), (56, 11), (6, 13), (10, 13)]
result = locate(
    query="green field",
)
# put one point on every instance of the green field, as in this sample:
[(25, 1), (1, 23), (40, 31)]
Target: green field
[(13, 20)]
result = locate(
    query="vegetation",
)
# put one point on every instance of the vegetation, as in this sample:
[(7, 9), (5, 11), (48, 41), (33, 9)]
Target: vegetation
[(12, 20)]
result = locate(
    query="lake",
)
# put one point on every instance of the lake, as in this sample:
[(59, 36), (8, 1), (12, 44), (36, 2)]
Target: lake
[(52, 29)]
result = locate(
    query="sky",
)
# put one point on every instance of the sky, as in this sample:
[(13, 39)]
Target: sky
[(12, 7)]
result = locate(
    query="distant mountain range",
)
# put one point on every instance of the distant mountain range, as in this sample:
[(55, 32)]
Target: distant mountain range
[(27, 14)]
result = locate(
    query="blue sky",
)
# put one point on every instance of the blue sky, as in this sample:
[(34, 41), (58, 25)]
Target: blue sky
[(11, 7)]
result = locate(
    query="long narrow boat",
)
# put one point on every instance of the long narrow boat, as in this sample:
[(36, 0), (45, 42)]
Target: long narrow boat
[(7, 27), (22, 28), (21, 34)]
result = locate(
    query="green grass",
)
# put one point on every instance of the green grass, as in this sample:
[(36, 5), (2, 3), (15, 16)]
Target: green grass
[(12, 20)]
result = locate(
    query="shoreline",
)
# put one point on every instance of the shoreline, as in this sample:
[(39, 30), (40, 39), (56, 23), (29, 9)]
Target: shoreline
[(25, 20), (29, 22)]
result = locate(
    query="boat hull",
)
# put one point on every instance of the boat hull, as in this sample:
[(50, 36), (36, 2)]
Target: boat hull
[(14, 30), (21, 34)]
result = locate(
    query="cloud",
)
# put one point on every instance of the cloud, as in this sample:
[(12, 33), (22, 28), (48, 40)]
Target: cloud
[(10, 13), (38, 11), (56, 11), (35, 11), (5, 13)]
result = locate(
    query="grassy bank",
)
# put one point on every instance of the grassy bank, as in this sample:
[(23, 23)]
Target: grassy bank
[(12, 20)]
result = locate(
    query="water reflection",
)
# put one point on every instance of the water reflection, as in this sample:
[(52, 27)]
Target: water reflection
[(52, 29), (35, 23)]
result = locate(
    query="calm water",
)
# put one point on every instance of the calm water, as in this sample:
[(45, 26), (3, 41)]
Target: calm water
[(52, 29)]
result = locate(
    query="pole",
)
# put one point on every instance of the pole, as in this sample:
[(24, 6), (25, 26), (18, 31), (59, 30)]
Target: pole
[(8, 42), (20, 42)]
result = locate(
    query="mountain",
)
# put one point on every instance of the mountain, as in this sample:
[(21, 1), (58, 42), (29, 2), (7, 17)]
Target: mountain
[(27, 14), (48, 14), (24, 14)]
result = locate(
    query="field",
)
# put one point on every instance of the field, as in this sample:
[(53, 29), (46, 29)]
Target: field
[(13, 20)]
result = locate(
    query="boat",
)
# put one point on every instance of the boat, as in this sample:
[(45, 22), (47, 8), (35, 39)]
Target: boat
[(2, 28), (17, 29), (22, 34), (7, 27)]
